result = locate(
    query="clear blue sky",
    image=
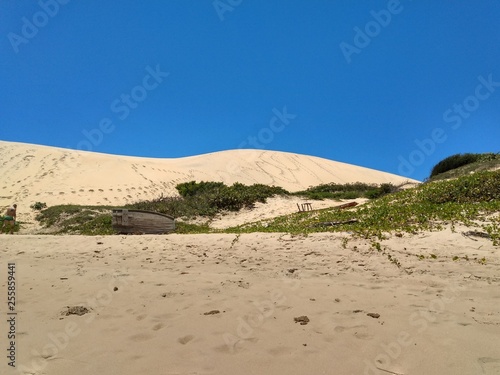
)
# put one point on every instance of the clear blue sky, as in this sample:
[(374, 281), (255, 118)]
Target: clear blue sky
[(364, 82)]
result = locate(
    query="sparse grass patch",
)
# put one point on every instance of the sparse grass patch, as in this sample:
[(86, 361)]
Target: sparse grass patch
[(466, 200), (187, 228), (472, 200), (73, 219)]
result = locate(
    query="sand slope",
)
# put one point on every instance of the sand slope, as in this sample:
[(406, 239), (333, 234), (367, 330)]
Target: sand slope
[(58, 176)]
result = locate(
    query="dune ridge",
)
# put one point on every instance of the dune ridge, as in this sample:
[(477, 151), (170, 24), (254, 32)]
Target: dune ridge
[(62, 176)]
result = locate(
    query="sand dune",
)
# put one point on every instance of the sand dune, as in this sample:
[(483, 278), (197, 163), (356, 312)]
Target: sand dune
[(59, 176)]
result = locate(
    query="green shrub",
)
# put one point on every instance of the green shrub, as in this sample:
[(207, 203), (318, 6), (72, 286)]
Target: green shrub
[(38, 206), (209, 198), (192, 188), (347, 191), (453, 162)]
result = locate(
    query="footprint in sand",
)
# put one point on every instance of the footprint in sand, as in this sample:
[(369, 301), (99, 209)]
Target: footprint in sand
[(141, 337), (360, 331), (141, 317), (339, 329), (490, 366), (157, 326), (184, 340)]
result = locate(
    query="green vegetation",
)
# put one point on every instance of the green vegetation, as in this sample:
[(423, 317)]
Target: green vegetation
[(209, 198), (473, 200), (38, 206), (197, 199), (188, 228), (347, 191), (72, 219), (469, 200), (193, 188), (463, 164)]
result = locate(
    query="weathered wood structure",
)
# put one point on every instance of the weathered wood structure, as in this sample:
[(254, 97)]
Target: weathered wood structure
[(346, 205), (304, 207), (141, 222)]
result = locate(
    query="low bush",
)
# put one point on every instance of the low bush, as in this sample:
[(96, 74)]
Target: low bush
[(347, 191), (453, 162), (460, 160), (38, 206), (209, 198)]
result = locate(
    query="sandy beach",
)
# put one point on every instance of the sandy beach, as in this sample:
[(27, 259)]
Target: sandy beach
[(227, 304), (233, 304), (238, 187)]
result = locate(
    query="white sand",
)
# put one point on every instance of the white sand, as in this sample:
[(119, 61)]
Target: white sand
[(437, 316)]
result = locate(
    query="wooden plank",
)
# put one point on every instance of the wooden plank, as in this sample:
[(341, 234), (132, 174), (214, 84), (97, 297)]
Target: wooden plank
[(346, 205), (124, 217)]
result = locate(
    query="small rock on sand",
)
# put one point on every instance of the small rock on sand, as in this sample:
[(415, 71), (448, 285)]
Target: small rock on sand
[(76, 310), (212, 312), (303, 320)]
